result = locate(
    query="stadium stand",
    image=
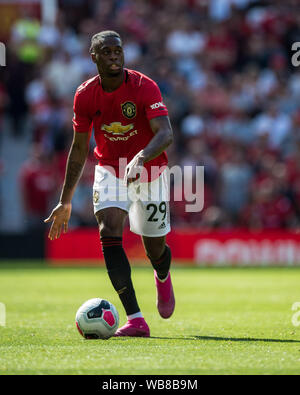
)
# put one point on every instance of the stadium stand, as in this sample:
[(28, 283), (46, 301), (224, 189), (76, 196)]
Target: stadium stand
[(225, 72)]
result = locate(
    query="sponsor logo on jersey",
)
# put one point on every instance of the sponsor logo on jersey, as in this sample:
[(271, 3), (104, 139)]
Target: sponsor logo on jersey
[(129, 109), (117, 128), (157, 105), (121, 138)]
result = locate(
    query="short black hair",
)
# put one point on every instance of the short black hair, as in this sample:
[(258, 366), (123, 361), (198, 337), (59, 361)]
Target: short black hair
[(98, 38)]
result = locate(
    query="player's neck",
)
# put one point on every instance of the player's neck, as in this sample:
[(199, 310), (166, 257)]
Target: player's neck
[(110, 84)]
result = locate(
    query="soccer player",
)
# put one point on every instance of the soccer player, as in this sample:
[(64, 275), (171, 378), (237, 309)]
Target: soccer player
[(130, 123)]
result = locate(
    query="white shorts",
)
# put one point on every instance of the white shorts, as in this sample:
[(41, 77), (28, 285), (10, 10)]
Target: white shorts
[(146, 203)]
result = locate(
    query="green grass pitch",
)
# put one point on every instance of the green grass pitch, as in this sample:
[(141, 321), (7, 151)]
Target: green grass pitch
[(227, 321)]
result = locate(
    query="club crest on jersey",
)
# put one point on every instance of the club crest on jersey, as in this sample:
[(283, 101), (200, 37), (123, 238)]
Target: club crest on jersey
[(117, 128), (129, 109)]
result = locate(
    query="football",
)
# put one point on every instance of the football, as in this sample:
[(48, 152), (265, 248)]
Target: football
[(97, 319)]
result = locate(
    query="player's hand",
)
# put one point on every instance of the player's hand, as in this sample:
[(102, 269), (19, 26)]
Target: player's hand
[(60, 217), (134, 169)]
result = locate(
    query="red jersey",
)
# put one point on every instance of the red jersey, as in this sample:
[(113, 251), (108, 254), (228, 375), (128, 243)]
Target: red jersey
[(120, 118)]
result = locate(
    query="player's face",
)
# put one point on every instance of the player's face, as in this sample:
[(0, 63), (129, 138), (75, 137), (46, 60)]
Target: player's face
[(109, 57)]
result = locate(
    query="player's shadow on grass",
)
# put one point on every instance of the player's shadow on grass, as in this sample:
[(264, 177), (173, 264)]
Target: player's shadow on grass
[(245, 339), (229, 339)]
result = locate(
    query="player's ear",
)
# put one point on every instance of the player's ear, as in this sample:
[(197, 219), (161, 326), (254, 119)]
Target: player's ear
[(93, 56)]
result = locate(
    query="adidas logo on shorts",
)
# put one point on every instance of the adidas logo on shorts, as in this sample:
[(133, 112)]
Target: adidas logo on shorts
[(162, 226)]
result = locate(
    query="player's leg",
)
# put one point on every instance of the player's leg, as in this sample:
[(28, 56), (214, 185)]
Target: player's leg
[(149, 217), (111, 207), (159, 254), (111, 223)]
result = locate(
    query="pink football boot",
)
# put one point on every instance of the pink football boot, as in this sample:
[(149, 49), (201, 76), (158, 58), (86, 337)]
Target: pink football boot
[(165, 296), (136, 327)]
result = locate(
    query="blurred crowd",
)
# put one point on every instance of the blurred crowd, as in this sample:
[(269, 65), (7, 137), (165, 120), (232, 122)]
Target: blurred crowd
[(225, 72)]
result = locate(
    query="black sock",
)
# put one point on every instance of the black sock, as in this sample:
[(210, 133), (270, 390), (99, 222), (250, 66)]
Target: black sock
[(119, 272), (162, 265)]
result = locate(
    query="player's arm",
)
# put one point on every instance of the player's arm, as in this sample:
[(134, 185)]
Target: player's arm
[(75, 164), (163, 137)]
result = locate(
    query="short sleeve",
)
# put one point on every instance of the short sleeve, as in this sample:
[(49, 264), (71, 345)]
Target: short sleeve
[(153, 101), (82, 123)]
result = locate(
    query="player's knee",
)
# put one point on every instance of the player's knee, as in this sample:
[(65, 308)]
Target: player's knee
[(110, 223), (110, 229)]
